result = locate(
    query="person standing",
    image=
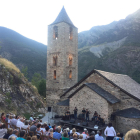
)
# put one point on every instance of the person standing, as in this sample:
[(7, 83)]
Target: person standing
[(87, 115), (83, 113), (75, 113), (110, 132)]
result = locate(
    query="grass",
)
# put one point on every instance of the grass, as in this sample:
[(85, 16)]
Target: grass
[(8, 64)]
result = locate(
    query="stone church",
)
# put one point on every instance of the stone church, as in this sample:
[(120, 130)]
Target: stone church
[(115, 97)]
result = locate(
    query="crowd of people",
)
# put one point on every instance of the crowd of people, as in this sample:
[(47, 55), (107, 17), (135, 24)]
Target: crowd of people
[(18, 128)]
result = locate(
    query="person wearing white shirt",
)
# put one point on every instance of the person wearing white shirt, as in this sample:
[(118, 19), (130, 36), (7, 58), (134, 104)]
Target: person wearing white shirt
[(20, 123), (26, 126), (110, 132), (3, 130)]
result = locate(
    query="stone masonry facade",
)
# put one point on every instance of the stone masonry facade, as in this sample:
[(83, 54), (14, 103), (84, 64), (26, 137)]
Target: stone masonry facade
[(125, 99), (88, 99), (62, 48), (125, 124)]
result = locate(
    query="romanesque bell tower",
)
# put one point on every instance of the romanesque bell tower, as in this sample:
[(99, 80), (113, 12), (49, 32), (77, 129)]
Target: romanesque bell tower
[(62, 57)]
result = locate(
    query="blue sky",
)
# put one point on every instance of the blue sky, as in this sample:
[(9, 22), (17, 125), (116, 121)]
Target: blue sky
[(31, 17)]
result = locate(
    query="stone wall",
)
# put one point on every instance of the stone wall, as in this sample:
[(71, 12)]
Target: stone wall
[(62, 47), (125, 124), (126, 100), (61, 110), (88, 99)]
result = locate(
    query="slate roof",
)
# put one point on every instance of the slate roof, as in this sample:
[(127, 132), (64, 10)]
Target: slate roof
[(103, 93), (63, 17), (124, 82), (64, 103), (128, 113)]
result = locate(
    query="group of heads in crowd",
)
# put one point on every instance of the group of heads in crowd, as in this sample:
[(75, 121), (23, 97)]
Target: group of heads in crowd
[(53, 131)]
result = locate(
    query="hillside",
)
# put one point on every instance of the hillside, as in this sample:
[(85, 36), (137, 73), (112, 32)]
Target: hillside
[(114, 47), (115, 50), (23, 51), (17, 95)]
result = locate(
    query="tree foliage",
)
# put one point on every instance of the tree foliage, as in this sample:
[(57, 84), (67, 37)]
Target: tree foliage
[(42, 88), (40, 84), (25, 71)]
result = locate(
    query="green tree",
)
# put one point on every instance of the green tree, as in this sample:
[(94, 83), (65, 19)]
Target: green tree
[(42, 88), (25, 71), (36, 79)]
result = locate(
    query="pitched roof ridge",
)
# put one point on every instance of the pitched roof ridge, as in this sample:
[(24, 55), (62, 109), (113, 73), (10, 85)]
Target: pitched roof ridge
[(112, 73)]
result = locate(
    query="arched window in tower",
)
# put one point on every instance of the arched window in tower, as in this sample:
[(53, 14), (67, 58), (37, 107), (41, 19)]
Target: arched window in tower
[(55, 60), (70, 74), (55, 32), (71, 33), (54, 75), (70, 60)]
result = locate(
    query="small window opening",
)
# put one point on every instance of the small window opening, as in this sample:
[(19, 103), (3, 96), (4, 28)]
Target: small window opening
[(54, 75), (55, 60), (55, 32), (70, 60), (70, 74), (71, 33)]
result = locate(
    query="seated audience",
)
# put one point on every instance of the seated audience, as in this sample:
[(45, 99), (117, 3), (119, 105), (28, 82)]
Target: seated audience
[(13, 122), (68, 130), (49, 125), (7, 118), (26, 125), (28, 138), (54, 126), (92, 134), (96, 136), (121, 137), (20, 123), (47, 132), (12, 138), (118, 135), (51, 132), (57, 135), (80, 137), (31, 118), (65, 136), (100, 137), (43, 128), (74, 137), (85, 136), (133, 134), (9, 132), (71, 135), (14, 134), (34, 138), (91, 138), (77, 132), (39, 131), (33, 127), (3, 117), (3, 130), (21, 135)]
